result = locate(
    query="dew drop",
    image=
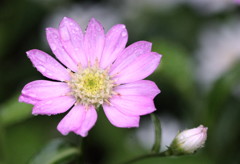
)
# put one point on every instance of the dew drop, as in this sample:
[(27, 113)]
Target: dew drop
[(42, 58), (124, 34), (75, 30), (65, 35), (55, 36), (41, 68), (49, 74)]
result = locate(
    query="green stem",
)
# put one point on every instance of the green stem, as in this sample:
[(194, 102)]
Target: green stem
[(145, 156), (157, 126)]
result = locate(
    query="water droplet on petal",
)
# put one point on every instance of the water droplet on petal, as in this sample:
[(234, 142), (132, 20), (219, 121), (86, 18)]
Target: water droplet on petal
[(42, 58), (41, 68), (124, 34), (49, 74), (55, 36)]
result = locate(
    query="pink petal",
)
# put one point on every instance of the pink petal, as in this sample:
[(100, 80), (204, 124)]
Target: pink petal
[(89, 122), (79, 120), (54, 41), (53, 106), (133, 105), (27, 99), (72, 40), (43, 89), (119, 119), (48, 66), (115, 42), (139, 88), (142, 67), (94, 41), (129, 55)]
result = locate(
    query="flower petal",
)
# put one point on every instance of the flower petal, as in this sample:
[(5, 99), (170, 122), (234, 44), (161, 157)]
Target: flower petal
[(48, 66), (94, 41), (143, 66), (27, 99), (89, 122), (119, 119), (78, 120), (115, 42), (72, 40), (129, 55), (133, 105), (53, 106), (139, 88), (54, 41), (43, 89)]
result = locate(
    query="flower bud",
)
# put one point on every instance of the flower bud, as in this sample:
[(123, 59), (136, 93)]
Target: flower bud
[(188, 141)]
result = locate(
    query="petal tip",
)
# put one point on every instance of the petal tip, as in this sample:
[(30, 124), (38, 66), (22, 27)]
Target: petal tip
[(62, 131), (20, 99), (31, 52), (50, 30), (67, 20)]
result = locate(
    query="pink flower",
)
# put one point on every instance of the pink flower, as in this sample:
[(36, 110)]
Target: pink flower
[(98, 70)]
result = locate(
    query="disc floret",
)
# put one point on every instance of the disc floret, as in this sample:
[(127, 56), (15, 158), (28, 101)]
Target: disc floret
[(91, 85)]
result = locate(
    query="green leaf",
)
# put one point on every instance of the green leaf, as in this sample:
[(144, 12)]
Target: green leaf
[(157, 144), (12, 111), (56, 152)]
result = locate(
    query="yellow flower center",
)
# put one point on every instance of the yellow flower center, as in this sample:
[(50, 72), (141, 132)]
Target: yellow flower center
[(91, 86)]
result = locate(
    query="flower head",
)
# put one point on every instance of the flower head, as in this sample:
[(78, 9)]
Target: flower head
[(188, 141), (98, 70)]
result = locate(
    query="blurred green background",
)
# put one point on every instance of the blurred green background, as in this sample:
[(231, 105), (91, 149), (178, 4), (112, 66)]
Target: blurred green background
[(198, 76)]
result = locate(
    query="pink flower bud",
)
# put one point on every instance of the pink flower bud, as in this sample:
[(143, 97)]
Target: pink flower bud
[(188, 141)]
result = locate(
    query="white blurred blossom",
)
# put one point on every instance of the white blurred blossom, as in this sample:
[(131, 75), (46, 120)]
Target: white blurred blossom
[(218, 51)]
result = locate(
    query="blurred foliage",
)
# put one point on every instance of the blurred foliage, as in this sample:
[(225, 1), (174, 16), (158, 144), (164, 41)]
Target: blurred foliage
[(12, 112), (174, 33), (57, 151)]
